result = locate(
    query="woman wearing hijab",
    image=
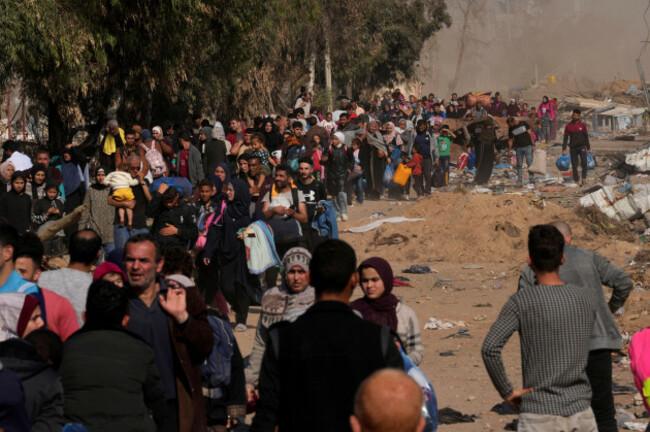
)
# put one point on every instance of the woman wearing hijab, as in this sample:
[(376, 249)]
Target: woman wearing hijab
[(546, 112), (272, 135), (380, 306), (222, 171), (20, 315), (164, 146), (74, 170), (36, 187), (213, 150), (223, 244), (373, 156), (98, 214), (7, 169)]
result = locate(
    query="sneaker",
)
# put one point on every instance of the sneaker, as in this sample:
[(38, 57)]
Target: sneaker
[(420, 197), (240, 327), (338, 218), (344, 217), (406, 197)]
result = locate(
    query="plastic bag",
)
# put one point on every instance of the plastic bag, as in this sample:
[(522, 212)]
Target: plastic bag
[(563, 163), (182, 185), (539, 162), (430, 404), (591, 162), (389, 172)]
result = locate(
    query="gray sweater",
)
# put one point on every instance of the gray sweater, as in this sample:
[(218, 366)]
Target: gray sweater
[(591, 270)]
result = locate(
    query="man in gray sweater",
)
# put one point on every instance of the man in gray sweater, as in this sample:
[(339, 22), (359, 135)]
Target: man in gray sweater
[(592, 271)]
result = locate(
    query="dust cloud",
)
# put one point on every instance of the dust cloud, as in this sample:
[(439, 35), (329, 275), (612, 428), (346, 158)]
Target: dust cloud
[(582, 43)]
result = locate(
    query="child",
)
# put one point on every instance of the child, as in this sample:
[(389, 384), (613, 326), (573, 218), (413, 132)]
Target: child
[(204, 207), (174, 221), (16, 205), (536, 123), (258, 150), (416, 165), (444, 150), (356, 176), (120, 182), (47, 210), (316, 155)]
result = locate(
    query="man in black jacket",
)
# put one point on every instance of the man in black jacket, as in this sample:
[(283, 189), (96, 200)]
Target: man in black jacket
[(109, 375), (339, 163), (312, 368)]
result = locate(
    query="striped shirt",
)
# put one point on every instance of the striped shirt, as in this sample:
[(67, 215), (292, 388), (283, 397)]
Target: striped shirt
[(554, 324)]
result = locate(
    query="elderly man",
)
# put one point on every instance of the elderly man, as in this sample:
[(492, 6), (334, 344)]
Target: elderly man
[(174, 322), (113, 139), (388, 401), (138, 205)]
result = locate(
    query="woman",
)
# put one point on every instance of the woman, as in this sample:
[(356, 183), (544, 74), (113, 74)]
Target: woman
[(20, 315), (98, 214), (284, 303), (221, 170), (546, 112), (7, 169), (373, 156), (380, 306), (272, 135), (75, 181), (213, 150), (164, 146), (223, 244), (395, 146), (36, 187)]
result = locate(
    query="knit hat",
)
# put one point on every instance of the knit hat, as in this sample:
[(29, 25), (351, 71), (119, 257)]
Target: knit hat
[(296, 256), (182, 280), (340, 136), (106, 268)]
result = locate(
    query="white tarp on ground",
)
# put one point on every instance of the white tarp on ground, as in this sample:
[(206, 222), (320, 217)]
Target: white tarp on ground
[(639, 159), (620, 205), (376, 224)]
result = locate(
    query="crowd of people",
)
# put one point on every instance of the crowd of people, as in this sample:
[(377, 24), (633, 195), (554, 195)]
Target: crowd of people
[(182, 223)]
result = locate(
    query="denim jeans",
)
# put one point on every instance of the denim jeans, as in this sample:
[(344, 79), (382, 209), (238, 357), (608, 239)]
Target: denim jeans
[(521, 152), (106, 249), (340, 201), (358, 186), (122, 234)]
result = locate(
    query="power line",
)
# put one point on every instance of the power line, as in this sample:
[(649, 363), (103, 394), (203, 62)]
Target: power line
[(645, 44)]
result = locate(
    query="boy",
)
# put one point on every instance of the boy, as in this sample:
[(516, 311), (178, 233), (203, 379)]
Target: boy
[(174, 221), (120, 182), (444, 150), (554, 321), (47, 210), (416, 165)]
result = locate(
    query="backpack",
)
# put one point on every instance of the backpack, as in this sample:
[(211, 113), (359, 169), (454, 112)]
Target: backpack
[(216, 369), (156, 162)]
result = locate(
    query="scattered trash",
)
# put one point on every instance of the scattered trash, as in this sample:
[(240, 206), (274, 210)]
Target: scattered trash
[(419, 269), (635, 426), (461, 333), (638, 399), (377, 215), (481, 190), (441, 281), (512, 426), (481, 305), (472, 267), (393, 239), (504, 408), (619, 389), (447, 354), (623, 417), (438, 324), (400, 283), (376, 224), (480, 317), (451, 416), (508, 228), (498, 285)]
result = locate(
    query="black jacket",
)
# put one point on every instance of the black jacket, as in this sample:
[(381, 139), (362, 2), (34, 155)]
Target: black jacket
[(339, 163), (111, 381), (181, 216), (312, 368), (17, 209), (43, 390)]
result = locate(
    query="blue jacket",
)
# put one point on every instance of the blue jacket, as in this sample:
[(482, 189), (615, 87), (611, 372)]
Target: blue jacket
[(325, 222)]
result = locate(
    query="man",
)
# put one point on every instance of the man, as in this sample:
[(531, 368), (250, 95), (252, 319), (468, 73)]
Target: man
[(174, 322), (138, 205), (73, 282), (554, 321), (388, 401), (577, 138), (497, 106), (338, 160), (300, 117), (312, 367), (130, 148), (304, 102), (53, 175), (254, 172), (521, 137), (513, 108), (109, 375), (61, 317), (315, 129), (190, 165), (314, 192), (12, 153), (428, 148), (592, 271), (112, 140), (10, 279), (284, 219), (240, 148)]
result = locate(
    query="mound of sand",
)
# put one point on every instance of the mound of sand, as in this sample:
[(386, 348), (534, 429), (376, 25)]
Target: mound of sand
[(478, 229)]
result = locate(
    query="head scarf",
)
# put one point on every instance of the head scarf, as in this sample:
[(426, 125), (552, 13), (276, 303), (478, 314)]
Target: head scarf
[(70, 173), (218, 185), (383, 310), (296, 256), (225, 168), (340, 136), (145, 135), (159, 130), (106, 268), (240, 205), (394, 135), (218, 132), (273, 138), (207, 131), (4, 167), (15, 311)]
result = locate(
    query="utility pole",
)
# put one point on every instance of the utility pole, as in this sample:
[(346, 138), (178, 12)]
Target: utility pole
[(328, 71), (8, 115), (22, 102)]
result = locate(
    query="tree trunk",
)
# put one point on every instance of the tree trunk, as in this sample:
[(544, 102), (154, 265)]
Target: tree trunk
[(312, 69), (56, 129), (461, 50), (328, 71)]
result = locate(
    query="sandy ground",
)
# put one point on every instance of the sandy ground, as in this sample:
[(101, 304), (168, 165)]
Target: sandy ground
[(454, 292)]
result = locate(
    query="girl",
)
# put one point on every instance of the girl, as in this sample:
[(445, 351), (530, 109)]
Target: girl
[(16, 205), (47, 210), (380, 306), (36, 188)]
